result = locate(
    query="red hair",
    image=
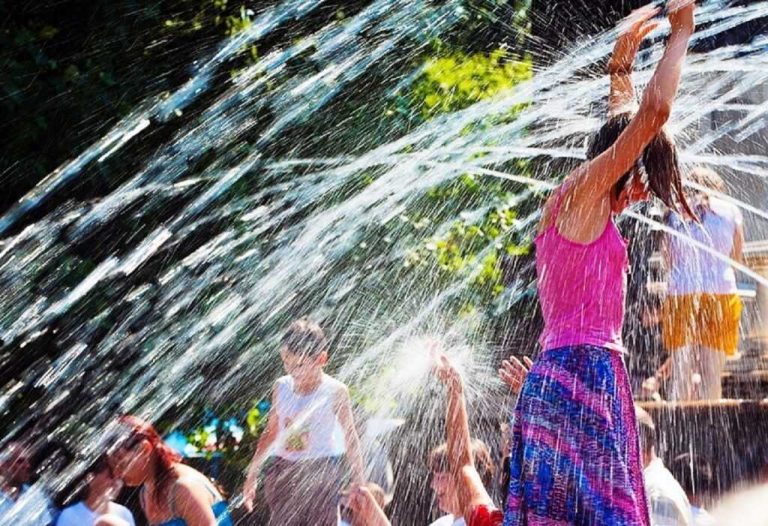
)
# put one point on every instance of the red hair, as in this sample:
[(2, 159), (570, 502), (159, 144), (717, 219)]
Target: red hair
[(166, 457)]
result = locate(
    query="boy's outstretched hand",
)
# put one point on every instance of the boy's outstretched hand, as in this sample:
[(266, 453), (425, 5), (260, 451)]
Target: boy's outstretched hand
[(513, 372)]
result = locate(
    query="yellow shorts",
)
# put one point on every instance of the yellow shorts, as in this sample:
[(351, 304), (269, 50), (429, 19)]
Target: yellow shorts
[(708, 320)]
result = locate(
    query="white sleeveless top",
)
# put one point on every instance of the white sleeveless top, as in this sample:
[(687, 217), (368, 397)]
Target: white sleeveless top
[(695, 271), (308, 427)]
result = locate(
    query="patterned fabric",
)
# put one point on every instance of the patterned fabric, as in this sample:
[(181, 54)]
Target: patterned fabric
[(575, 453)]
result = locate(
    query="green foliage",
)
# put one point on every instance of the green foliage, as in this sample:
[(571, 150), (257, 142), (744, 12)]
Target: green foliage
[(458, 80), (474, 243)]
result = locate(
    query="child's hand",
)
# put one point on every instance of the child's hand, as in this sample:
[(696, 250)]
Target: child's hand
[(365, 509), (681, 15), (446, 372), (632, 32), (513, 372)]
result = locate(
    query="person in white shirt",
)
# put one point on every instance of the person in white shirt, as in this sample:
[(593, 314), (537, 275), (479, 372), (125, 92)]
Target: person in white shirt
[(21, 503), (668, 503), (698, 480), (95, 502), (700, 317), (443, 486)]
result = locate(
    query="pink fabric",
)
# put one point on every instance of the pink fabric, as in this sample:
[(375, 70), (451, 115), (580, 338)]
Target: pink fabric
[(581, 286)]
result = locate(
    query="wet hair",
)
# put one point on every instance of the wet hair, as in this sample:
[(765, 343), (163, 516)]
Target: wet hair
[(78, 490), (694, 474), (305, 337), (707, 178), (646, 429), (438, 461), (166, 456), (659, 162)]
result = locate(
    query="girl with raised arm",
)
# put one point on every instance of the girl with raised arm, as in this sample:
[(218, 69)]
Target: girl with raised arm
[(575, 456)]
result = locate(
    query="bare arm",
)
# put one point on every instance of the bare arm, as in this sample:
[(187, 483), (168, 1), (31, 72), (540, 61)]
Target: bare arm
[(737, 252), (594, 178), (263, 448), (343, 409), (637, 26), (469, 486), (192, 502)]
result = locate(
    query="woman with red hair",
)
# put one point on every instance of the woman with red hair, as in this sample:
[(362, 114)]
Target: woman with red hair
[(172, 494)]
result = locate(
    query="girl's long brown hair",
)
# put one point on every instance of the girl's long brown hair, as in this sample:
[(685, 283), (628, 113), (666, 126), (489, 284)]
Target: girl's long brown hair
[(659, 160)]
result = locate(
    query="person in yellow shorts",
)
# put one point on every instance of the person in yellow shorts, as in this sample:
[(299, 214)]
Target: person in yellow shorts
[(700, 316)]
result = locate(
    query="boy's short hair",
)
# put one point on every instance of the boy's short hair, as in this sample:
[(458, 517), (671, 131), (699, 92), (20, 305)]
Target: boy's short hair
[(694, 474), (646, 429), (305, 337), (438, 460)]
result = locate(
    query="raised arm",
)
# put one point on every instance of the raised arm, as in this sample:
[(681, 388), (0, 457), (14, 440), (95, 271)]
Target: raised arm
[(632, 33), (596, 177), (469, 486)]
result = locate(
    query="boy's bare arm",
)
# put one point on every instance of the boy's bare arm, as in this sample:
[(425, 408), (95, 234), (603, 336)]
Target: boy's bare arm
[(351, 440), (263, 449)]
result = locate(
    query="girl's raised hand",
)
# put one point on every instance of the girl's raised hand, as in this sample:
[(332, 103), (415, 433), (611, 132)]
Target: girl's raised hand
[(632, 31), (681, 15), (513, 372)]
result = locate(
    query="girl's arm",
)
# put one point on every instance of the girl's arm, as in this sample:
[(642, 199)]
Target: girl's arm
[(343, 408), (638, 26), (594, 179), (263, 449)]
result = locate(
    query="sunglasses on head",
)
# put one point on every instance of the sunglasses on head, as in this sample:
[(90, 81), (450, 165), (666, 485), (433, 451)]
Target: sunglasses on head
[(128, 443)]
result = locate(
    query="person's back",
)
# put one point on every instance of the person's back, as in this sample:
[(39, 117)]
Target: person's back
[(694, 270), (668, 502), (581, 286)]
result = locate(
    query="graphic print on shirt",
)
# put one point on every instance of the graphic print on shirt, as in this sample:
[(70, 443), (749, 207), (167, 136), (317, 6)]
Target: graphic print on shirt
[(297, 436)]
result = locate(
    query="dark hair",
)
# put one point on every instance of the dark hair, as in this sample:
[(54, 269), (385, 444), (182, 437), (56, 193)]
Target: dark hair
[(694, 474), (305, 337), (438, 460), (659, 161), (646, 429)]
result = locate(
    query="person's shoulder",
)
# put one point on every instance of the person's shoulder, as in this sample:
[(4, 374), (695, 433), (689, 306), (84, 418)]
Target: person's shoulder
[(724, 208), (335, 385), (124, 513), (71, 515)]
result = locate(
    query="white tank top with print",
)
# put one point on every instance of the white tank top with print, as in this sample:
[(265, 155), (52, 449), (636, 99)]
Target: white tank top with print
[(308, 427)]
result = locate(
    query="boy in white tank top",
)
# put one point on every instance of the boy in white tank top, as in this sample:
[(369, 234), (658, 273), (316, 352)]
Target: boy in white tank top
[(310, 414)]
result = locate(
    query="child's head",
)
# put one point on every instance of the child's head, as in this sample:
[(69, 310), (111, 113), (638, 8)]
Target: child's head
[(658, 163), (695, 476), (442, 481), (304, 349)]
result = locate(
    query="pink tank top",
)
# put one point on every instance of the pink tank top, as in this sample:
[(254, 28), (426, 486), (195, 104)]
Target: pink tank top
[(581, 286)]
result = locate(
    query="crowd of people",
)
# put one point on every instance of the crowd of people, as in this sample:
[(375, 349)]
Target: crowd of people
[(577, 449)]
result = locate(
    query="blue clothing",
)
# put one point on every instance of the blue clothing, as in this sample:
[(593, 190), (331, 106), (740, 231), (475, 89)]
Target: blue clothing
[(220, 511), (575, 455)]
